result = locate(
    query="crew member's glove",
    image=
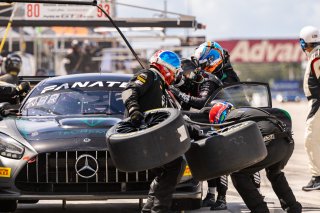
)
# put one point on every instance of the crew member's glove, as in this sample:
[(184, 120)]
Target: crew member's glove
[(180, 95), (136, 117)]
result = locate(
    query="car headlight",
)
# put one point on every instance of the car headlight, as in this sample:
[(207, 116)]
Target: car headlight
[(10, 148)]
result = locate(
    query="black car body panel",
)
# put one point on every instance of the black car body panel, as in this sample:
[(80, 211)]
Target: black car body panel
[(64, 134)]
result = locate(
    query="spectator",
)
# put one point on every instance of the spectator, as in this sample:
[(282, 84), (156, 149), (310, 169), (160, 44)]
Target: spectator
[(74, 58), (90, 51), (310, 44)]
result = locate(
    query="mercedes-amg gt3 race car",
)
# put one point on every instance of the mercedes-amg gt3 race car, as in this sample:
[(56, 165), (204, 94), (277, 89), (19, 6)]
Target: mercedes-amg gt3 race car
[(55, 147)]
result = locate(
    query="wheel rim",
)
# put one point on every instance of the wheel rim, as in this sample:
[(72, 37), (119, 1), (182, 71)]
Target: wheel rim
[(150, 120)]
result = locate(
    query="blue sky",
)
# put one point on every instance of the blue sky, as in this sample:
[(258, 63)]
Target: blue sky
[(238, 19)]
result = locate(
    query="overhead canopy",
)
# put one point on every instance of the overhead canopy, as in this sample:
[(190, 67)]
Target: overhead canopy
[(48, 15), (151, 22)]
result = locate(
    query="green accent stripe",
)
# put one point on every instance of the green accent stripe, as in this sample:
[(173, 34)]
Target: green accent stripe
[(286, 113)]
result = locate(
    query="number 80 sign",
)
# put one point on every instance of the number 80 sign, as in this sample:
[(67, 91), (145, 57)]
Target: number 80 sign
[(35, 11)]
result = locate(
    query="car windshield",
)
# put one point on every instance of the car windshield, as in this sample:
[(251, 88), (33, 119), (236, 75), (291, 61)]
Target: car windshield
[(69, 102)]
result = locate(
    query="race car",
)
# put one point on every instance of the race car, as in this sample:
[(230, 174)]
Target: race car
[(55, 148)]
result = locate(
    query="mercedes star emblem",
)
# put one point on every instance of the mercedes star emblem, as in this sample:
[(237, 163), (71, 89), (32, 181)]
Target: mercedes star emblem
[(86, 166), (86, 140)]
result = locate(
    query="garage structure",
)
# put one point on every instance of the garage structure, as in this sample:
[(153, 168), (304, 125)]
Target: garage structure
[(43, 30)]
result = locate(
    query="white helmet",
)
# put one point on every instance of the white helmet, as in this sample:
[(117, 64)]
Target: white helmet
[(309, 37)]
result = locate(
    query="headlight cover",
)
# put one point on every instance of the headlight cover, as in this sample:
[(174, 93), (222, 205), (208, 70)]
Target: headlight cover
[(10, 148)]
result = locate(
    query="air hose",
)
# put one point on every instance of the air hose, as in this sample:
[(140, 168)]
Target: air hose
[(7, 28), (232, 122)]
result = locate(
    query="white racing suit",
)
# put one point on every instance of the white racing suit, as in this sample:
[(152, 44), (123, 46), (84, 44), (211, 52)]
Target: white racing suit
[(311, 86)]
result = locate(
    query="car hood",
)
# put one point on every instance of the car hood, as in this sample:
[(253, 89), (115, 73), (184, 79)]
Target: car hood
[(65, 133)]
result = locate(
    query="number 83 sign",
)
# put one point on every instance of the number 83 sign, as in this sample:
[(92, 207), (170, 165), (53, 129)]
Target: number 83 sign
[(35, 11)]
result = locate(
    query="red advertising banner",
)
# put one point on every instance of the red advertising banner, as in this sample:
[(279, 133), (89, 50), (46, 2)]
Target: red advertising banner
[(264, 51)]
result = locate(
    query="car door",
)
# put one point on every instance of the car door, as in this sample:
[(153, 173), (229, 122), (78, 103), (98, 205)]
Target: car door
[(243, 94)]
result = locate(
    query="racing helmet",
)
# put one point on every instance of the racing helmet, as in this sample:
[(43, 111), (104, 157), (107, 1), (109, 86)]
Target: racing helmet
[(309, 37), (13, 64), (209, 56), (75, 46), (87, 45), (219, 112), (167, 63)]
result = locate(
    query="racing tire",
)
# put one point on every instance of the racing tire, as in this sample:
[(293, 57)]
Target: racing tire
[(8, 205), (162, 138), (232, 149)]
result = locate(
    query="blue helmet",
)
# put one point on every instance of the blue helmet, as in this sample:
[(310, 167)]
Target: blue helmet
[(210, 56), (168, 63)]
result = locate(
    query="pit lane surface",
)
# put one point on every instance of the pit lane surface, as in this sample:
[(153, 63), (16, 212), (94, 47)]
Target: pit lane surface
[(297, 173)]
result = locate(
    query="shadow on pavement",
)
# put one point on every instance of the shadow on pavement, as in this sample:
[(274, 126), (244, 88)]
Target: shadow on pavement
[(79, 208), (311, 209), (119, 207)]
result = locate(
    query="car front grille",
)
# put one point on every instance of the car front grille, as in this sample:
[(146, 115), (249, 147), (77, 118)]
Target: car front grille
[(79, 172)]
